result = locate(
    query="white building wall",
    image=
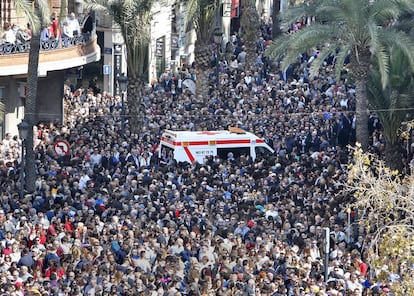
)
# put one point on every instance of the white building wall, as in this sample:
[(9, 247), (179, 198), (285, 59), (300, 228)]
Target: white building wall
[(160, 28)]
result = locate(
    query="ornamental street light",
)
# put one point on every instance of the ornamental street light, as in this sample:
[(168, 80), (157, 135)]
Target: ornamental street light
[(218, 38), (123, 85), (23, 128)]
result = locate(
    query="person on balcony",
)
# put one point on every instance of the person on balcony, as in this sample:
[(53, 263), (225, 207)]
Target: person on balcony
[(67, 33), (73, 24), (44, 37), (87, 24), (9, 36), (54, 26)]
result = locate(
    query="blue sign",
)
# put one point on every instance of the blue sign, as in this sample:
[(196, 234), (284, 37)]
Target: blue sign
[(106, 69), (107, 50)]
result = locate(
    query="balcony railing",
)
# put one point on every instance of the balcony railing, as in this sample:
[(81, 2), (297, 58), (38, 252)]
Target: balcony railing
[(20, 47), (54, 55)]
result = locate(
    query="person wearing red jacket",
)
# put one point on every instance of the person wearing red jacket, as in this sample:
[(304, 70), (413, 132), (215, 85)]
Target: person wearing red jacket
[(56, 269), (361, 265)]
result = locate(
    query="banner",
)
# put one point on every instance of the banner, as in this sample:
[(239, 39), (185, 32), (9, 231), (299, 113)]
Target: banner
[(159, 47), (174, 41), (235, 8)]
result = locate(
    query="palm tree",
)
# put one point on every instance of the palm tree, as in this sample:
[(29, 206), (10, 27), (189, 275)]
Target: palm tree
[(276, 31), (36, 15), (200, 15), (250, 23), (362, 29), (133, 19), (392, 104)]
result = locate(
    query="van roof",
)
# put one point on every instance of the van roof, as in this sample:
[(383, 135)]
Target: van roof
[(235, 133)]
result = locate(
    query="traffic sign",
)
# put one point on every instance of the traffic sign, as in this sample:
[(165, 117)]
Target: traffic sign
[(106, 69), (61, 148)]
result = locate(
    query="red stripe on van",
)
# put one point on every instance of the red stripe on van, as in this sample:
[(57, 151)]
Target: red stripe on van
[(190, 156), (218, 142), (198, 143), (226, 142)]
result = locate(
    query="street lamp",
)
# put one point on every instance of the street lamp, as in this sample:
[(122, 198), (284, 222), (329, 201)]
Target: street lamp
[(123, 84), (23, 128), (348, 229), (218, 38), (326, 250)]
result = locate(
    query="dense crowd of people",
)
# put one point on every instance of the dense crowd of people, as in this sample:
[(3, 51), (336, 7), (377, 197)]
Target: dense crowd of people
[(106, 221)]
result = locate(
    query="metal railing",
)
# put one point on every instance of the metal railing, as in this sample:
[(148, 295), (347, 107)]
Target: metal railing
[(51, 44)]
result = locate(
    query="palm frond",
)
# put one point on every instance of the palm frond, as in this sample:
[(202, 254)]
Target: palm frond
[(290, 46), (398, 39), (392, 101), (383, 64), (133, 19), (316, 65), (192, 13), (341, 56), (25, 7)]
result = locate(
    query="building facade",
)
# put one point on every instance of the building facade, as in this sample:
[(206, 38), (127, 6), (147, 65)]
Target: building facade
[(57, 58)]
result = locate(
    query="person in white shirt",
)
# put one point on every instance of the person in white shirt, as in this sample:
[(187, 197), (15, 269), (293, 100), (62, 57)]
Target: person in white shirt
[(73, 24), (145, 159), (67, 31), (43, 221), (9, 35), (338, 234), (84, 180), (314, 251), (141, 262), (96, 157)]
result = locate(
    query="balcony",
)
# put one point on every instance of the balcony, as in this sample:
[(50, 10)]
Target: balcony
[(54, 55)]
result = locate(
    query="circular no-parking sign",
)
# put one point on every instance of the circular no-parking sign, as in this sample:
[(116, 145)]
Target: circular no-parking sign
[(61, 148)]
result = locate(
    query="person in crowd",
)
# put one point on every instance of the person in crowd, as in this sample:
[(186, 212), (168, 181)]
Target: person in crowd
[(119, 217), (9, 35), (73, 24), (87, 23)]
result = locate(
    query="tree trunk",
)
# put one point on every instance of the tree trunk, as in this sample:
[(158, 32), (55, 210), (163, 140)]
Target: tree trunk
[(31, 110), (360, 68), (202, 87), (250, 21), (393, 156), (135, 110), (362, 134), (276, 31), (202, 57)]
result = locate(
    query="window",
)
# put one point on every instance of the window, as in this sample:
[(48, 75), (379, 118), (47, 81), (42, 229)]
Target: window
[(237, 152), (262, 151)]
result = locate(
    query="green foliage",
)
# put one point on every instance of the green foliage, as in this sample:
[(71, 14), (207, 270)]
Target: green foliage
[(200, 15), (393, 102), (358, 27), (133, 18), (384, 202), (35, 19), (361, 29)]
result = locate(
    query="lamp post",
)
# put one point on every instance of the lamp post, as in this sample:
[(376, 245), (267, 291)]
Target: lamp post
[(123, 84), (348, 229), (326, 249), (218, 38), (23, 128)]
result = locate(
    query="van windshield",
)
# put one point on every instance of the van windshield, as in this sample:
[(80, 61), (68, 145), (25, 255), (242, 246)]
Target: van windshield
[(262, 152), (235, 153)]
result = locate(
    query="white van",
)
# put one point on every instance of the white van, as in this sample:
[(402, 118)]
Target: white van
[(196, 146)]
